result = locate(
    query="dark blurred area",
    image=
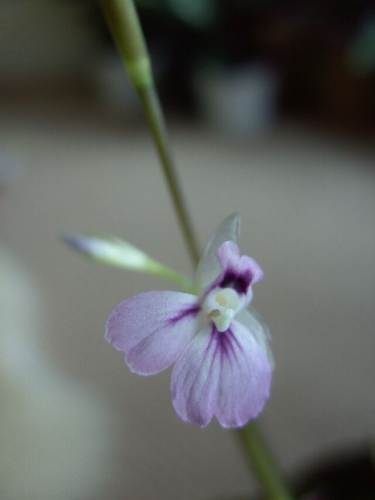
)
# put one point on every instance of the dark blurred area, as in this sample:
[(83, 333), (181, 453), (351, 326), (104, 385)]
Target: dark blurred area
[(311, 60)]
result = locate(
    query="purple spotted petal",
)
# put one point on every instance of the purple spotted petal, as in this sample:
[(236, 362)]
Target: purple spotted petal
[(245, 377), (195, 379), (151, 329), (209, 268)]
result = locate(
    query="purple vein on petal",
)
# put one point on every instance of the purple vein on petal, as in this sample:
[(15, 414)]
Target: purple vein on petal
[(195, 377), (141, 329), (203, 357), (235, 340), (208, 376), (223, 344), (182, 313)]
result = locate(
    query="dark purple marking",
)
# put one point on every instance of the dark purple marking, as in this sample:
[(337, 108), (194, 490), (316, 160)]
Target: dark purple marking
[(235, 340), (224, 344), (228, 279), (214, 333), (239, 282), (183, 313), (224, 348), (231, 341)]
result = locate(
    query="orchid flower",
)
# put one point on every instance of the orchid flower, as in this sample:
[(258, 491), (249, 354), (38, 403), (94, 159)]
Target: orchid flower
[(220, 347)]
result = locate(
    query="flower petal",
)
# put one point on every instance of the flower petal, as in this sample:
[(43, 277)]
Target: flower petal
[(152, 329), (258, 329), (244, 268), (238, 273), (224, 374), (245, 377), (195, 378), (229, 256), (248, 264), (209, 268)]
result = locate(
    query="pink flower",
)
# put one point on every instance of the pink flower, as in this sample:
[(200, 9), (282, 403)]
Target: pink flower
[(223, 363)]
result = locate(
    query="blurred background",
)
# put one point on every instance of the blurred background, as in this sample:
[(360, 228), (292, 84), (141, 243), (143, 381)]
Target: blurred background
[(271, 109)]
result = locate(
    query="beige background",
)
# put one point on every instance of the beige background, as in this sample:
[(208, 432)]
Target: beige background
[(307, 205)]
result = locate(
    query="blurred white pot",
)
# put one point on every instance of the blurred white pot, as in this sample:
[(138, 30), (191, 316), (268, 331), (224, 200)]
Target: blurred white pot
[(241, 102)]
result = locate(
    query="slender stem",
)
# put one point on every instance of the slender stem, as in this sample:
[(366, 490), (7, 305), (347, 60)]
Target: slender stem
[(124, 24), (151, 104), (262, 463), (168, 273)]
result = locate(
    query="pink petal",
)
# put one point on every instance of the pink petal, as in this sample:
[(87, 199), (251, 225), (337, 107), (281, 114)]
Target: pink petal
[(229, 256), (249, 264), (223, 374), (252, 320), (195, 378), (239, 273), (152, 329), (209, 269), (231, 261), (245, 377)]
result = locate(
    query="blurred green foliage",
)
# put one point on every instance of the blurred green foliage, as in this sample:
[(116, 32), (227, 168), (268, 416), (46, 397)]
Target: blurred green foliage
[(198, 13), (361, 54)]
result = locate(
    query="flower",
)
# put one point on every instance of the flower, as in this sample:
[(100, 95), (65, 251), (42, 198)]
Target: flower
[(223, 363)]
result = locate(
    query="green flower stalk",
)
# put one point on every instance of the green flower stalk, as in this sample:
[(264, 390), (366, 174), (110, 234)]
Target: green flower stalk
[(124, 24)]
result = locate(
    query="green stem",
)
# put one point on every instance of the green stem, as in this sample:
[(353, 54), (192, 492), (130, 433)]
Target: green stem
[(156, 122), (124, 24), (168, 273), (262, 463)]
